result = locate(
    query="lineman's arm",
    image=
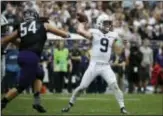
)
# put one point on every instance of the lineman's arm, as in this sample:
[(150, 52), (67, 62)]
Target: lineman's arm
[(83, 32), (10, 38), (118, 48), (119, 42), (16, 42), (56, 31)]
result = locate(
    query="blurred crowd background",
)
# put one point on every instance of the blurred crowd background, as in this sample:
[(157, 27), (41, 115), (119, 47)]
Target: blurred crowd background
[(139, 68)]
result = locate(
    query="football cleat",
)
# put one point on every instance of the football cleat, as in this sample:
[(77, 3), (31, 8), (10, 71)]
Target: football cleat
[(39, 108), (124, 111), (66, 109)]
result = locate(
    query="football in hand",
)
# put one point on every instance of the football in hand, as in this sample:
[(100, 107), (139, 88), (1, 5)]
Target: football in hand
[(82, 17)]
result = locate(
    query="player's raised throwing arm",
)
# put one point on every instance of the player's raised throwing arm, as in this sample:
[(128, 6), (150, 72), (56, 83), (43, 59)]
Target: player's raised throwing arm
[(56, 31), (81, 26)]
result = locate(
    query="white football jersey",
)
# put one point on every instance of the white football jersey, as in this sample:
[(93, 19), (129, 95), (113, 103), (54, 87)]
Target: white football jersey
[(102, 45)]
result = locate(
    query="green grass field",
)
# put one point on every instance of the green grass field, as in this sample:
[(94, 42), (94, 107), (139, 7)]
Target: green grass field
[(90, 104)]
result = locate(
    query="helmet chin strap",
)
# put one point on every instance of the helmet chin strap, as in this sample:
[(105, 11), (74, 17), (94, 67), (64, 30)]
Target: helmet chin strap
[(106, 30)]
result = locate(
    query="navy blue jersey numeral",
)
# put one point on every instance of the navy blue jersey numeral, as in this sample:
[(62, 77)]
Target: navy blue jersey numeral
[(104, 42)]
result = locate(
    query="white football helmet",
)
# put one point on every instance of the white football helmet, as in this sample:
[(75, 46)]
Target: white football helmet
[(104, 22)]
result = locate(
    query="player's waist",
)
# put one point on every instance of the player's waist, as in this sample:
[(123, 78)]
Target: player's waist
[(101, 63)]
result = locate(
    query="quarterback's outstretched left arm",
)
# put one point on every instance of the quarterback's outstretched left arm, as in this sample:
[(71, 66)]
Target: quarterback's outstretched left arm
[(118, 46)]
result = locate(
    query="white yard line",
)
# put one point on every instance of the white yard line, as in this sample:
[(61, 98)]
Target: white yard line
[(80, 98)]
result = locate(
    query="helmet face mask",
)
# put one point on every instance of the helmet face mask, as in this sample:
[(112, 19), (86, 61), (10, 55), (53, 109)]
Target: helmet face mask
[(30, 14), (31, 11), (104, 23), (107, 24)]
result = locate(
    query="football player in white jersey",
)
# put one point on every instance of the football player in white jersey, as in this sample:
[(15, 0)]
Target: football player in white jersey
[(103, 41)]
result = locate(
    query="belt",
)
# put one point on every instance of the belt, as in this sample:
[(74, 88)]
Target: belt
[(99, 63)]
